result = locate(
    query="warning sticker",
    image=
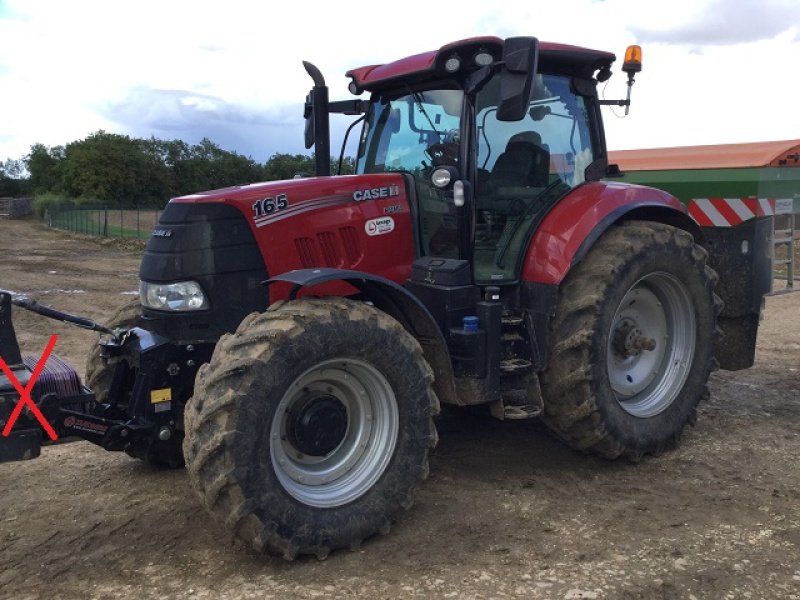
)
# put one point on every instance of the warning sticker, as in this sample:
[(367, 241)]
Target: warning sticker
[(162, 395)]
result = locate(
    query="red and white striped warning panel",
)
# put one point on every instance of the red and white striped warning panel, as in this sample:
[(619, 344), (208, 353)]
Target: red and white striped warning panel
[(729, 212)]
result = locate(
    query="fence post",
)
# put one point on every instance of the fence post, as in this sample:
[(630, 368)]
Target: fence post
[(138, 237), (105, 221)]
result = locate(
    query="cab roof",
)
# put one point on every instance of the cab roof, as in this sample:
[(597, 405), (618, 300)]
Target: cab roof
[(553, 58)]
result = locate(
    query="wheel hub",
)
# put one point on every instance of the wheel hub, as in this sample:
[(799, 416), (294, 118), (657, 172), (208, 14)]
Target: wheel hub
[(334, 432), (651, 345), (628, 339), (318, 427)]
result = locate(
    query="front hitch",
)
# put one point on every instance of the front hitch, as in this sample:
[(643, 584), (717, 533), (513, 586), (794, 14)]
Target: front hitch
[(66, 407)]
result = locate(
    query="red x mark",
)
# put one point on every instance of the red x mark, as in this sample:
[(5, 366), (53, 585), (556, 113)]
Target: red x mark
[(25, 393)]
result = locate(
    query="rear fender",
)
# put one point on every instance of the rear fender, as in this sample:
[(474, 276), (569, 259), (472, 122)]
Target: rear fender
[(395, 301), (573, 225)]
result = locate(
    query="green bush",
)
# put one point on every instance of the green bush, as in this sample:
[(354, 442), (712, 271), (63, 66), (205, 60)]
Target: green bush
[(90, 202), (46, 200)]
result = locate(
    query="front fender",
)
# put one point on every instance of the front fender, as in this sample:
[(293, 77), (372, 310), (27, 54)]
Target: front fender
[(580, 218), (396, 301)]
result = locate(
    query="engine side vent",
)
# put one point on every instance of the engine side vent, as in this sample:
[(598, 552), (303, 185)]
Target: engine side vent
[(352, 248), (330, 251), (307, 249)]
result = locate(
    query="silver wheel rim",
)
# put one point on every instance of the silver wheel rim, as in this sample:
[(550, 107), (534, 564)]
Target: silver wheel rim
[(356, 404), (651, 345)]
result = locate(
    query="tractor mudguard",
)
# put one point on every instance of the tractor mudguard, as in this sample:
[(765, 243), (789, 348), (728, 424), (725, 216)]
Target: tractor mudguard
[(395, 301), (573, 225)]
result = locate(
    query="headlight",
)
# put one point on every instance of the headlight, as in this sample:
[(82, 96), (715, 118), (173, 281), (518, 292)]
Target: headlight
[(180, 296)]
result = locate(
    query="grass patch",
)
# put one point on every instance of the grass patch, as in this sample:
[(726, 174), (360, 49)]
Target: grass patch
[(131, 224)]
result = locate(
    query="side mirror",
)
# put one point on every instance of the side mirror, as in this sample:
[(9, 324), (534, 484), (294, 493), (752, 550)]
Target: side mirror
[(308, 115), (520, 59)]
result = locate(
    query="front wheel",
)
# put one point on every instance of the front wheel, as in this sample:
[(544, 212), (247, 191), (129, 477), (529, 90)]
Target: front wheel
[(311, 426), (632, 342)]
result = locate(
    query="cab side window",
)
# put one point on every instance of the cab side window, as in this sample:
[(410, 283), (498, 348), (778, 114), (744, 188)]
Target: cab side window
[(523, 167)]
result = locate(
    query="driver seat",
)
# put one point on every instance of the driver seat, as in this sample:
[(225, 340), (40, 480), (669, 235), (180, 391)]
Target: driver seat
[(524, 163)]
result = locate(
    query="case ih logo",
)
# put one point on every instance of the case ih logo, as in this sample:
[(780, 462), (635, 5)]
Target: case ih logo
[(379, 226), (376, 193)]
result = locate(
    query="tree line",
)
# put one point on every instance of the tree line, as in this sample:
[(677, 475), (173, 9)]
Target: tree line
[(118, 170)]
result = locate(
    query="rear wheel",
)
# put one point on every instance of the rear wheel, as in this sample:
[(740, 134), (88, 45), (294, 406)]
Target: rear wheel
[(311, 426), (633, 338)]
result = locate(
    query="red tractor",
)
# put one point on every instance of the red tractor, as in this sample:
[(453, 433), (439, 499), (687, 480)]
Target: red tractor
[(295, 338)]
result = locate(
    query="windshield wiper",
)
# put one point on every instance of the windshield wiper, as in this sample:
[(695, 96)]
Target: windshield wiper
[(421, 108)]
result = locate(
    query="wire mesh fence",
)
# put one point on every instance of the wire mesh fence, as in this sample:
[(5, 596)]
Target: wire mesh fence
[(132, 223)]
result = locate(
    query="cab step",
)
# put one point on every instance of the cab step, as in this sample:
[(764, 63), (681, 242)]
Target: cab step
[(511, 320), (525, 403), (514, 366), (513, 412)]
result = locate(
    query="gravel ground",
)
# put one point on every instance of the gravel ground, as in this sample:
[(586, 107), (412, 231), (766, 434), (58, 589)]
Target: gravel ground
[(507, 512)]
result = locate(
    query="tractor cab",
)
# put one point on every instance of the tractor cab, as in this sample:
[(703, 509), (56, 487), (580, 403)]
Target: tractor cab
[(493, 134), (482, 183)]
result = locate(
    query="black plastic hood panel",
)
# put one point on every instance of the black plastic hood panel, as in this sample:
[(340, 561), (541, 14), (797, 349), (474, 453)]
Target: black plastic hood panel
[(210, 243)]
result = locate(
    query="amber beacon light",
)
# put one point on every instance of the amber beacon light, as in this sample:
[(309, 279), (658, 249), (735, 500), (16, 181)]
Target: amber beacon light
[(633, 60), (632, 65)]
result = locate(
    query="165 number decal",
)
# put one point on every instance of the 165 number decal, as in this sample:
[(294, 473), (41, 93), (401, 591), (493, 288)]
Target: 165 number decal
[(269, 205)]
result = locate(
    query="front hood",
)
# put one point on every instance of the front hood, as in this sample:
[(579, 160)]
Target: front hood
[(355, 222), (301, 190)]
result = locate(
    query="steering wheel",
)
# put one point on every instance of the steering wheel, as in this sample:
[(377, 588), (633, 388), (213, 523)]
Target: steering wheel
[(442, 154), (446, 151)]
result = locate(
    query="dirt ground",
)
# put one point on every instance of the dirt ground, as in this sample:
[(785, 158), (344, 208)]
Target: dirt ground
[(507, 512)]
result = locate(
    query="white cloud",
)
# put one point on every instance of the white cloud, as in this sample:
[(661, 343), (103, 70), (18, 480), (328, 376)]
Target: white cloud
[(232, 71), (722, 22)]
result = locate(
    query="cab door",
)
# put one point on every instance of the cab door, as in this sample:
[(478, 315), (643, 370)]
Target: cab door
[(523, 168), (415, 132)]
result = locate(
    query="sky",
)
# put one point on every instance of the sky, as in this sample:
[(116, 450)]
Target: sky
[(714, 71)]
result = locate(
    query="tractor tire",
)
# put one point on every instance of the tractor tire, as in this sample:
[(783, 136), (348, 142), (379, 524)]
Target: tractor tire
[(311, 426), (99, 374), (98, 377), (632, 342)]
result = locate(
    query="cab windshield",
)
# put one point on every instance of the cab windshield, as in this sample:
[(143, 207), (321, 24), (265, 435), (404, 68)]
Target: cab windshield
[(405, 133), (414, 133)]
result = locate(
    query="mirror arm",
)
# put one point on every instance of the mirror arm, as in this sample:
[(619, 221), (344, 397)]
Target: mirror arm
[(348, 107), (478, 79)]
